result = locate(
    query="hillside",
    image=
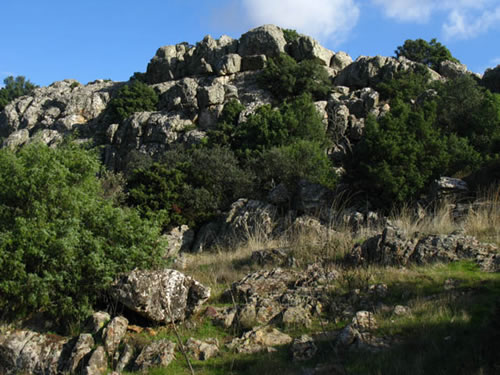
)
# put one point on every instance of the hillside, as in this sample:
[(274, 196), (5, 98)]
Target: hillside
[(253, 206)]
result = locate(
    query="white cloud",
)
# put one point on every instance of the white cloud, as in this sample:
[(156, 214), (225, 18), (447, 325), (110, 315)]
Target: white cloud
[(407, 10), (322, 19), (465, 18), (461, 25)]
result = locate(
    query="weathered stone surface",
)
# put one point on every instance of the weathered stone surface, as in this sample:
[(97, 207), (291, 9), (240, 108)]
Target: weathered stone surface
[(158, 353), (181, 60), (181, 96), (162, 296), (447, 187), (277, 257), (211, 95), (368, 71), (275, 297), (264, 40), (303, 348), (125, 357), (61, 107), (394, 247), (179, 239), (340, 61), (98, 362), (149, 133), (244, 219), (16, 139), (296, 316), (259, 339), (229, 64), (97, 321), (83, 346), (203, 350), (358, 334), (451, 69), (114, 333), (31, 353), (306, 47)]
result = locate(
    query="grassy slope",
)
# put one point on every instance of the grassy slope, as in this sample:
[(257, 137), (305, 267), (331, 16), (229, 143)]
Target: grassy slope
[(453, 328)]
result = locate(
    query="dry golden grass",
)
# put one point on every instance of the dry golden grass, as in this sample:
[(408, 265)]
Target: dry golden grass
[(434, 221), (483, 221), (223, 265)]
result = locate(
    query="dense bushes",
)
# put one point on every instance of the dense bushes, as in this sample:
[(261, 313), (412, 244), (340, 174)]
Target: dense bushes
[(61, 242), (286, 78), (302, 159), (189, 185), (433, 129), (135, 96), (293, 120), (468, 110)]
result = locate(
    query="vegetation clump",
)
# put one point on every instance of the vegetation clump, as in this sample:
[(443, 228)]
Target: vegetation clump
[(135, 96), (61, 242), (14, 88), (285, 78)]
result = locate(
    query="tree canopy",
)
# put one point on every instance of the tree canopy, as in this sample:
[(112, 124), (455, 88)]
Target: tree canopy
[(428, 53), (14, 88)]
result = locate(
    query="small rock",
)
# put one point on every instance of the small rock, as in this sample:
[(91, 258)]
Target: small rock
[(158, 353), (125, 358), (82, 347), (259, 339), (98, 320), (296, 316), (98, 362), (114, 333), (400, 310), (203, 350), (303, 348)]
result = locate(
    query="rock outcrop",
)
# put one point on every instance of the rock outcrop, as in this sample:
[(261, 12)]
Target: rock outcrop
[(394, 247), (32, 353), (161, 296), (368, 71)]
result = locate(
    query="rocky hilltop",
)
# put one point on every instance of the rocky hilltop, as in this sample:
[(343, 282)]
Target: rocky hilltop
[(194, 83)]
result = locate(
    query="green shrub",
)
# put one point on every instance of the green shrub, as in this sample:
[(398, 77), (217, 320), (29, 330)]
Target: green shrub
[(290, 35), (491, 79), (401, 153), (470, 111), (267, 127), (223, 135), (286, 78), (300, 160), (189, 185), (428, 53), (135, 96), (155, 191), (61, 242), (406, 85), (14, 88)]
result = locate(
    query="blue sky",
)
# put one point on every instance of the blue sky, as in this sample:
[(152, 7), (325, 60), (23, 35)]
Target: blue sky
[(51, 40)]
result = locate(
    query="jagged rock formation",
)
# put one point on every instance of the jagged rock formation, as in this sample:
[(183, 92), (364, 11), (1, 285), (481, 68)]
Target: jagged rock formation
[(395, 247), (194, 83)]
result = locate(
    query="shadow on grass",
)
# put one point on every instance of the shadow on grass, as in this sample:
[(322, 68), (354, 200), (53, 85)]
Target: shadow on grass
[(461, 335)]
